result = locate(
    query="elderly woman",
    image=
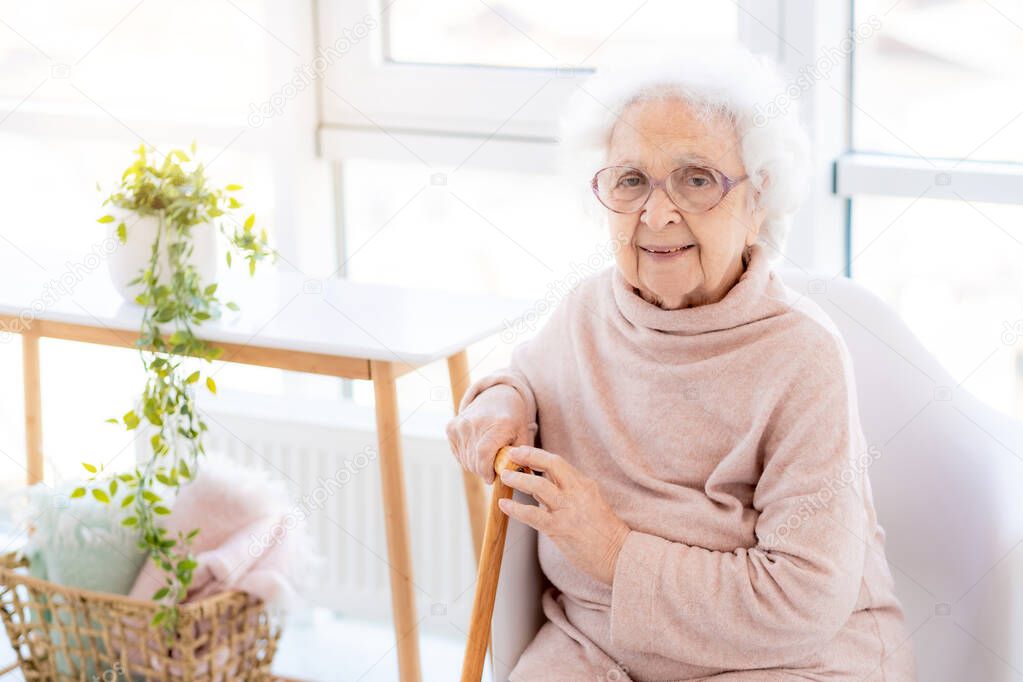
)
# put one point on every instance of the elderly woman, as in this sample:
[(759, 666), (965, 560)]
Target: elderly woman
[(703, 509)]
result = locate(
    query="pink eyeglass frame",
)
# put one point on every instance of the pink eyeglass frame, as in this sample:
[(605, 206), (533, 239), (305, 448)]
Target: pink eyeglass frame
[(727, 184)]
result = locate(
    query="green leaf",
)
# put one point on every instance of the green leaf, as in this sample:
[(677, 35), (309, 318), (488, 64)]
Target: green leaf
[(234, 203), (122, 233), (88, 467), (178, 337), (233, 188), (100, 495), (130, 521), (228, 259), (161, 593), (232, 305), (131, 420), (162, 511), (249, 222), (193, 377), (127, 500), (187, 565), (150, 496), (106, 219), (212, 385), (113, 487), (78, 492)]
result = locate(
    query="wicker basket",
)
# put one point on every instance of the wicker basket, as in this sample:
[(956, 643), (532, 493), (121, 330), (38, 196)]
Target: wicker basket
[(62, 633)]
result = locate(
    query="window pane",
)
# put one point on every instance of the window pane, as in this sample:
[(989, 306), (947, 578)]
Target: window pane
[(132, 58), (951, 271), (543, 34), (511, 234), (940, 78)]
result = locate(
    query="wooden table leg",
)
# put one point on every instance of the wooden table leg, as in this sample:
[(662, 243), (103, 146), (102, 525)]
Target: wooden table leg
[(399, 550), (475, 490), (33, 408)]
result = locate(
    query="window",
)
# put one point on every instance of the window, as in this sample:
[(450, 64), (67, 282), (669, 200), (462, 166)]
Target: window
[(942, 79), (539, 34), (420, 66), (936, 179), (81, 86)]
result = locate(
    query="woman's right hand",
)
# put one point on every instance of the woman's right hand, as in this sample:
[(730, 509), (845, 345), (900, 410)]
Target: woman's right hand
[(495, 418)]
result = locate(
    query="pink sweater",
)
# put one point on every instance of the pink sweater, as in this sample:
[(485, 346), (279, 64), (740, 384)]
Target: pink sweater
[(727, 436)]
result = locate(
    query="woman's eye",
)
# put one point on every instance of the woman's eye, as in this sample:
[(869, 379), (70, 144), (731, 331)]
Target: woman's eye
[(700, 181), (631, 181)]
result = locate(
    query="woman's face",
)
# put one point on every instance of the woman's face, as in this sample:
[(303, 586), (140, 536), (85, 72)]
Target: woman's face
[(657, 137)]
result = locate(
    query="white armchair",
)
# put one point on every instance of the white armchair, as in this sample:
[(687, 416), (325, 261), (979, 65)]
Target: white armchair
[(948, 488)]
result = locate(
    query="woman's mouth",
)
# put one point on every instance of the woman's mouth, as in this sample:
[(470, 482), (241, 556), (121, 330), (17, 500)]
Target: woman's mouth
[(661, 252)]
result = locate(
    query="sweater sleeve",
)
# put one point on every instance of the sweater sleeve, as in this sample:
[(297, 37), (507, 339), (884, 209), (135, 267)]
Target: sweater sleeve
[(793, 591)]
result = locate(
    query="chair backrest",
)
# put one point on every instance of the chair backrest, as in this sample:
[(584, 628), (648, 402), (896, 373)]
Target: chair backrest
[(947, 489)]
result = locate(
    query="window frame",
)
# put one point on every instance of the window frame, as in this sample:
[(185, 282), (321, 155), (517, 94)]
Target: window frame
[(513, 127), (864, 173)]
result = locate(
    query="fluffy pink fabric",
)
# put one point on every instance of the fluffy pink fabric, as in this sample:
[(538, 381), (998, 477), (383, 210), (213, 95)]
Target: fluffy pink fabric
[(727, 436), (245, 542)]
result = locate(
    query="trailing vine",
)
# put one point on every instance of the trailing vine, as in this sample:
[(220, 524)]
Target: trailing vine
[(175, 304)]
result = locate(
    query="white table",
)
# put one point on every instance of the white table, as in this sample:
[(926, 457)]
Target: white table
[(330, 327)]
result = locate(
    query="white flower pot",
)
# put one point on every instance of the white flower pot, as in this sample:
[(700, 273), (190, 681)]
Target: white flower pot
[(129, 259)]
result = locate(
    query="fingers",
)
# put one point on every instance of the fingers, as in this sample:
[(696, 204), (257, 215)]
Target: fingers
[(458, 432), (475, 436), (540, 460), (483, 460), (539, 487), (526, 513)]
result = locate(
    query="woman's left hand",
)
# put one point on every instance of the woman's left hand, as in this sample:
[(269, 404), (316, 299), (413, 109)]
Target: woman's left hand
[(573, 513)]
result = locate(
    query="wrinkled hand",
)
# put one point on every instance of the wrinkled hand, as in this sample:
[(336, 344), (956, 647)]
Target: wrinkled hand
[(573, 512), (497, 417)]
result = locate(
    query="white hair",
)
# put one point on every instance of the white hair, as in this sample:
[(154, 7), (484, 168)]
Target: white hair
[(715, 81)]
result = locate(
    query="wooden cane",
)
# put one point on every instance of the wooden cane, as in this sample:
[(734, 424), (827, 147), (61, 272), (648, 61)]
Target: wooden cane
[(489, 571)]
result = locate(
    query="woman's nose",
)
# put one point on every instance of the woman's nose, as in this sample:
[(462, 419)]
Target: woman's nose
[(659, 211)]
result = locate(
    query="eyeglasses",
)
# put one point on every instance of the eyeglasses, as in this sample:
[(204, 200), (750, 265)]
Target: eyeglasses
[(693, 189)]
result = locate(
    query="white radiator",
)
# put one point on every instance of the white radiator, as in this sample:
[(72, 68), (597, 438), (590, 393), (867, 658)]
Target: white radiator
[(328, 458)]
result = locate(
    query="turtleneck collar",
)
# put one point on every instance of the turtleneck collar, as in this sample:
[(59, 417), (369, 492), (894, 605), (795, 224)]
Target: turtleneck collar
[(743, 303)]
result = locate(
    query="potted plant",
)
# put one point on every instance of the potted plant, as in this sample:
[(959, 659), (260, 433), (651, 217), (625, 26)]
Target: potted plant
[(177, 208)]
